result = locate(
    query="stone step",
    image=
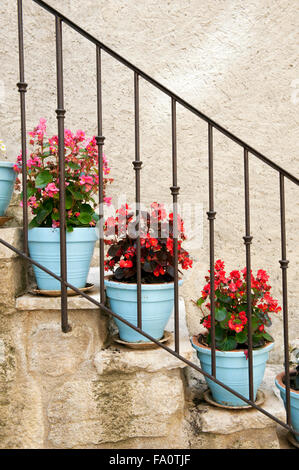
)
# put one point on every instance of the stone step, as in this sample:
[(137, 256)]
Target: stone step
[(212, 427)]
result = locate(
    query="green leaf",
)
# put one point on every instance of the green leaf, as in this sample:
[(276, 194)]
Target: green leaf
[(84, 218), (200, 301), (268, 337), (87, 208), (219, 333), (254, 323), (241, 337), (43, 178), (74, 166), (69, 228), (77, 194), (228, 344), (220, 314), (33, 223), (68, 201), (223, 298), (30, 191), (41, 215)]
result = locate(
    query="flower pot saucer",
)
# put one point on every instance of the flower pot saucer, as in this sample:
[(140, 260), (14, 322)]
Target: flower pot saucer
[(57, 293), (143, 344), (4, 220), (260, 398), (292, 440)]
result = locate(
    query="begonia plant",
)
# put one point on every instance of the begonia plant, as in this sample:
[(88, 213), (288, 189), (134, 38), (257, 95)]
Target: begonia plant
[(156, 240), (231, 322), (81, 178)]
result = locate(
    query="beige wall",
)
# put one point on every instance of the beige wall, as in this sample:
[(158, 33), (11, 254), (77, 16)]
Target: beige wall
[(234, 60)]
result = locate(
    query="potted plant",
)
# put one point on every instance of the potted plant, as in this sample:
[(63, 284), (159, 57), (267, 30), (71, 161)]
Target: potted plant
[(157, 268), (294, 393), (7, 180), (231, 332), (81, 185)]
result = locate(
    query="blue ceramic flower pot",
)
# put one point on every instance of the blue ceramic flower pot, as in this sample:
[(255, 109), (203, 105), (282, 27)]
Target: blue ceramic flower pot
[(157, 305), (7, 182), (44, 248), (232, 370), (294, 395)]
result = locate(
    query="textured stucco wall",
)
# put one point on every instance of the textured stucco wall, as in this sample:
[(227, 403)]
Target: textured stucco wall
[(234, 60)]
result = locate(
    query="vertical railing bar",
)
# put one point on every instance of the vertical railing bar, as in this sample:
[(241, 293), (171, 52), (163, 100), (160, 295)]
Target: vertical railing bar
[(22, 87), (211, 216), (175, 192), (137, 167), (284, 266), (60, 112), (247, 241), (100, 142)]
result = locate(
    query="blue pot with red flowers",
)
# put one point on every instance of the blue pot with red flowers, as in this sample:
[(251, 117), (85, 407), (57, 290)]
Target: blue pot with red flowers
[(156, 306), (157, 270), (231, 331), (232, 371)]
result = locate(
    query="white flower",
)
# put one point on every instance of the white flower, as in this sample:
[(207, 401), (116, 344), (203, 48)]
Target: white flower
[(2, 147)]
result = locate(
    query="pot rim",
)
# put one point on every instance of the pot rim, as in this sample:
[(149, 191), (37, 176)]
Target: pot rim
[(52, 235), (279, 382), (58, 229), (133, 285), (233, 352), (6, 164)]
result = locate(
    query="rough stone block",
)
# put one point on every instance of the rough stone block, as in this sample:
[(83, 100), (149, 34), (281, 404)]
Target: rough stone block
[(93, 411), (211, 427)]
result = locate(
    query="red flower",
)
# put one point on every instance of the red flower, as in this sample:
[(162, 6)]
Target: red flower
[(125, 264), (219, 265), (159, 271)]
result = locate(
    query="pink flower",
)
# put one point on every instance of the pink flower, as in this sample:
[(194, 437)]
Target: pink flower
[(108, 200), (85, 179), (80, 135), (51, 189), (55, 223), (32, 202), (34, 162)]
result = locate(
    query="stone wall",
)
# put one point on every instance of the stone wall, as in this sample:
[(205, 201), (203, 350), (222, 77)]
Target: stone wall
[(235, 61)]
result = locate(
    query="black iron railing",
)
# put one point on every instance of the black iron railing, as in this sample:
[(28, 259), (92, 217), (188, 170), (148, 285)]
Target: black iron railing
[(60, 19)]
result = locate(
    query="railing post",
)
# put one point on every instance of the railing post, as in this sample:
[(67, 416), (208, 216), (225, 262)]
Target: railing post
[(137, 167), (284, 263), (247, 241), (22, 86), (175, 192), (60, 112), (211, 216), (100, 142)]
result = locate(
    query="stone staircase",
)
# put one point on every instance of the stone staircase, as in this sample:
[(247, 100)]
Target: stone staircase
[(82, 390)]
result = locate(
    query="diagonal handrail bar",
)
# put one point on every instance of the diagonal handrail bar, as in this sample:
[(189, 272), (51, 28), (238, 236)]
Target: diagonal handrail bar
[(146, 335), (168, 92)]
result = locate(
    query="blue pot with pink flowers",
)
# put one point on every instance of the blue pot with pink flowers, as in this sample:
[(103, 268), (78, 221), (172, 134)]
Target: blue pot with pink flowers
[(44, 248), (7, 181)]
